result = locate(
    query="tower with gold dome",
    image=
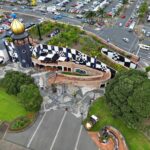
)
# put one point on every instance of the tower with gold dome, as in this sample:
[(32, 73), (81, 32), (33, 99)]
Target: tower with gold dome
[(21, 42)]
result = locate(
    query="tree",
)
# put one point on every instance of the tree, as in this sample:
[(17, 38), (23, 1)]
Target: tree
[(33, 2), (142, 95), (125, 1), (147, 69), (128, 95), (143, 9), (90, 15), (30, 97), (100, 13), (13, 80)]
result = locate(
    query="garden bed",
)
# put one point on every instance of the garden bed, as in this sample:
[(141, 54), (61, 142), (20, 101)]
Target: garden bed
[(23, 122), (74, 74)]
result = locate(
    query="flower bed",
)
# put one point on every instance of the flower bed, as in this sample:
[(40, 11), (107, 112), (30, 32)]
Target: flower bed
[(22, 123)]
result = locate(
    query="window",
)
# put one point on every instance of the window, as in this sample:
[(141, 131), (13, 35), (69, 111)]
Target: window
[(23, 51)]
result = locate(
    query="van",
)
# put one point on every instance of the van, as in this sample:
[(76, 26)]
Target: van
[(145, 47), (79, 16)]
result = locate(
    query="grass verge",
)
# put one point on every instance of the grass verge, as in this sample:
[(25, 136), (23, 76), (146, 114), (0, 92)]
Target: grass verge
[(134, 138), (10, 108)]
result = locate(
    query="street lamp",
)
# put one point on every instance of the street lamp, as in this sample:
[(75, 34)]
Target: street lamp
[(39, 32)]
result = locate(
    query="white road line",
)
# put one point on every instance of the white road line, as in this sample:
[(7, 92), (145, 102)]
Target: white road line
[(133, 43), (29, 143), (5, 132), (138, 51), (58, 130), (75, 148)]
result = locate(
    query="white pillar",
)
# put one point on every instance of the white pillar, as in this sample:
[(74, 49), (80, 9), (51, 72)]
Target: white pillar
[(62, 68)]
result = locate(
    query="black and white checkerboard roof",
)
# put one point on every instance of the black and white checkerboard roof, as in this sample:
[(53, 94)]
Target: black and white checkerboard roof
[(46, 53), (119, 58), (50, 53)]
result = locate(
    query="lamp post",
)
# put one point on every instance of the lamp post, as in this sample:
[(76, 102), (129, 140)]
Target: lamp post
[(39, 32)]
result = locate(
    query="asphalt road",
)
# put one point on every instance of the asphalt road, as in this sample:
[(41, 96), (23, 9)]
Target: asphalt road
[(54, 130), (128, 13), (116, 35)]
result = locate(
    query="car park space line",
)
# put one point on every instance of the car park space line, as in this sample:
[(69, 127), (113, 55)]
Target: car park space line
[(5, 133), (78, 137), (138, 51), (63, 118), (31, 139), (133, 43)]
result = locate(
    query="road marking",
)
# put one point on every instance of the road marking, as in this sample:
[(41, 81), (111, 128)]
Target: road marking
[(58, 130), (5, 132), (133, 44), (78, 138), (138, 51), (30, 141)]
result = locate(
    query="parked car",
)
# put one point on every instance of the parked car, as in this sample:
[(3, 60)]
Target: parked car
[(125, 40), (123, 16), (14, 9), (120, 24), (57, 17), (147, 34), (129, 22), (79, 16)]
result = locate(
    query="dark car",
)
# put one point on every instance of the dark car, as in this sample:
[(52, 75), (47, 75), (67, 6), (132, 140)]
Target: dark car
[(46, 1), (55, 32), (12, 4)]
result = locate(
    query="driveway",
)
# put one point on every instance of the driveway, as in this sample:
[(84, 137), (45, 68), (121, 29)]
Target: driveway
[(54, 130)]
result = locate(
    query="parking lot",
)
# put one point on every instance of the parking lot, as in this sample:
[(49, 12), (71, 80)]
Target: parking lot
[(48, 133)]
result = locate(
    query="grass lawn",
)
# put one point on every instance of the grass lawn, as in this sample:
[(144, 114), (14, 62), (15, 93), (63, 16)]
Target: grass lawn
[(9, 107), (134, 138)]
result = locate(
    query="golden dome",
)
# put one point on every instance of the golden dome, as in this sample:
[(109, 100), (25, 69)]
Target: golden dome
[(17, 27)]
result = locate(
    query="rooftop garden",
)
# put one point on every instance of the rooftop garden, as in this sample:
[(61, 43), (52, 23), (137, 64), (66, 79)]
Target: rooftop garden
[(73, 37)]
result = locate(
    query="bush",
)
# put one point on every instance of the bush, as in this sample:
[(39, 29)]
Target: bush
[(13, 80), (20, 123), (30, 97), (147, 69)]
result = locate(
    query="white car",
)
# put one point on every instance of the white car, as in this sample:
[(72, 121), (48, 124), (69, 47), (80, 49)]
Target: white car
[(14, 9), (125, 40), (120, 24)]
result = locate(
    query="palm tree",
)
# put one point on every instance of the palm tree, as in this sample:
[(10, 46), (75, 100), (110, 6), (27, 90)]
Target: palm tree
[(90, 15), (100, 13)]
